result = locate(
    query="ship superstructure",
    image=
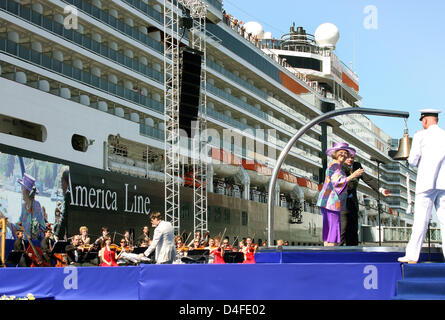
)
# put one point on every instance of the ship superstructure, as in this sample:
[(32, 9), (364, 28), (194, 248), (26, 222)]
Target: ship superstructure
[(82, 81)]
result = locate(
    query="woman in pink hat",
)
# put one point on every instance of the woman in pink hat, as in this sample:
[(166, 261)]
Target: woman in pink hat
[(32, 217), (332, 197)]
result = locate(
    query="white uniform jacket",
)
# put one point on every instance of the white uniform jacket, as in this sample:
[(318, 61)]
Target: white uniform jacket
[(428, 154), (163, 242)]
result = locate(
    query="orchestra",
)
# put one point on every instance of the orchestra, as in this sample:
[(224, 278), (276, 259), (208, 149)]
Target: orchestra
[(80, 250)]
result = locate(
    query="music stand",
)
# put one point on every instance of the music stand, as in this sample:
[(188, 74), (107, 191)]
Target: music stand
[(14, 258), (197, 256), (233, 257), (139, 250), (59, 247)]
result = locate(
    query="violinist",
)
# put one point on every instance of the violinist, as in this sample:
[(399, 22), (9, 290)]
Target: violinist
[(126, 256), (143, 239), (108, 256), (226, 246), (100, 240), (127, 239), (196, 245), (196, 238), (84, 235), (76, 254), (249, 251), (181, 249), (180, 245), (211, 246), (47, 245), (217, 252)]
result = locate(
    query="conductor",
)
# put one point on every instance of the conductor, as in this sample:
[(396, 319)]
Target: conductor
[(163, 240)]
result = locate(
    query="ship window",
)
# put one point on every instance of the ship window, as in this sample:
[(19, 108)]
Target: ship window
[(22, 128), (217, 214), (244, 218), (79, 143), (303, 62), (226, 216)]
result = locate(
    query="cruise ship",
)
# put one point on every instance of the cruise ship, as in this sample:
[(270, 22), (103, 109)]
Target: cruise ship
[(82, 85)]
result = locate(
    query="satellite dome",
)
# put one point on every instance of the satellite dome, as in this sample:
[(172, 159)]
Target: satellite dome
[(327, 35), (267, 35), (255, 29)]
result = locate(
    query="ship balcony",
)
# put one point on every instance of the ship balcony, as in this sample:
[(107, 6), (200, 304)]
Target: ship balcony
[(262, 115), (251, 89)]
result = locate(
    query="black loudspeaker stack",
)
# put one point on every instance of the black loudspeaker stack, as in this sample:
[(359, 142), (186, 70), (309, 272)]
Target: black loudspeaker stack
[(190, 87)]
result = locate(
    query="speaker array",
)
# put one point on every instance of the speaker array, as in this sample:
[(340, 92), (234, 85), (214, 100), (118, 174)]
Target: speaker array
[(190, 86)]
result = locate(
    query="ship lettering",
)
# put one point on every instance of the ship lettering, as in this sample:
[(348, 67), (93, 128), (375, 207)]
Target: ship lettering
[(140, 204), (94, 198)]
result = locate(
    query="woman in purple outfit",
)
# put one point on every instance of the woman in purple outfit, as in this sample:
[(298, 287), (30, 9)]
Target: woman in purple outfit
[(332, 197)]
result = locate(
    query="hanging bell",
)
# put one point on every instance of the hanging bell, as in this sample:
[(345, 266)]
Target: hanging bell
[(404, 147)]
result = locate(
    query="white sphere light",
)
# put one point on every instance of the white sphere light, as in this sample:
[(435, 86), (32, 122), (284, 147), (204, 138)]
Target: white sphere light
[(267, 35), (255, 29), (327, 35)]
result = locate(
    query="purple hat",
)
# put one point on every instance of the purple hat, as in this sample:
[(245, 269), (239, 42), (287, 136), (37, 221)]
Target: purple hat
[(340, 146), (27, 182)]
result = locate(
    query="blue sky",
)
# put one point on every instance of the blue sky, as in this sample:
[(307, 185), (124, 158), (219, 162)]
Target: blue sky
[(400, 63)]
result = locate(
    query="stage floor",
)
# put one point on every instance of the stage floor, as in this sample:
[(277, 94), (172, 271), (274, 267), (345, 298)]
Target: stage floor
[(293, 273)]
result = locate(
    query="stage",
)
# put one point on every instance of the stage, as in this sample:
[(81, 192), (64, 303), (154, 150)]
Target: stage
[(294, 273)]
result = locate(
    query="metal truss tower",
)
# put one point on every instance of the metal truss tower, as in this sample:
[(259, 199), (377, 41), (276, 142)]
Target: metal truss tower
[(197, 39), (172, 89)]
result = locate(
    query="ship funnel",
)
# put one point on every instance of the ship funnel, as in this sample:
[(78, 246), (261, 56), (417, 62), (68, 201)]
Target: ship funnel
[(404, 146)]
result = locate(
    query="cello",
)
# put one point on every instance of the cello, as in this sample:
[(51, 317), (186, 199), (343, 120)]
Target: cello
[(35, 253)]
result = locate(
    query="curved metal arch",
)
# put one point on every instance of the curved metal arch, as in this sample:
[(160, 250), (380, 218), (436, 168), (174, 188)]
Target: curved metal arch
[(306, 127)]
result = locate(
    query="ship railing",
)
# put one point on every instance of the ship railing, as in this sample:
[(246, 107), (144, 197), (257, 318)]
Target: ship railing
[(403, 234), (284, 108), (265, 45), (77, 74)]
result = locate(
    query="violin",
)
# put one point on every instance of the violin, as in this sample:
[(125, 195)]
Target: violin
[(182, 249), (127, 249), (85, 247), (35, 253), (252, 247), (115, 247)]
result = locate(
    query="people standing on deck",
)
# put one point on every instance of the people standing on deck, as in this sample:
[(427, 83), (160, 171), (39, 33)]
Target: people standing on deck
[(332, 197), (428, 155)]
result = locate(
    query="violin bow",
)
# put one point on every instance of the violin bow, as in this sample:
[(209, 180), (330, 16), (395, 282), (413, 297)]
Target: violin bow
[(234, 241)]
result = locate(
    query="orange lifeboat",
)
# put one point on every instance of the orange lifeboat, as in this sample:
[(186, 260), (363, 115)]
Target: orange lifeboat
[(259, 174), (225, 164), (286, 181)]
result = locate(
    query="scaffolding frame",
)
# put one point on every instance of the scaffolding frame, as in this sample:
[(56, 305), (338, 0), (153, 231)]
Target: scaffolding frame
[(172, 19)]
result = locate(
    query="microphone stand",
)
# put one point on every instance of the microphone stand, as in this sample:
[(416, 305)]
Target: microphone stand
[(379, 206)]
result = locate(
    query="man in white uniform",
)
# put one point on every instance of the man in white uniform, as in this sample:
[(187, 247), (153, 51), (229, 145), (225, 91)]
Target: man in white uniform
[(428, 155), (163, 240)]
